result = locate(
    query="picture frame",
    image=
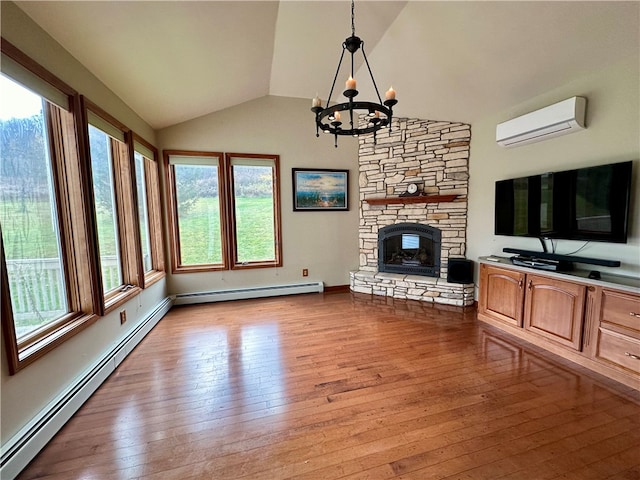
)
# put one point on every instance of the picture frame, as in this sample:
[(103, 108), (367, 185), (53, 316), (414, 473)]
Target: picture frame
[(320, 190)]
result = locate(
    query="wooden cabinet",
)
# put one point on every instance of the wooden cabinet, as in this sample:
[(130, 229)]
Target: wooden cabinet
[(544, 306), (554, 309), (591, 323), (501, 294)]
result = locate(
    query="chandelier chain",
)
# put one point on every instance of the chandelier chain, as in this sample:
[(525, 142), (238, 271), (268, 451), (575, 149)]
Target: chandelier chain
[(353, 21)]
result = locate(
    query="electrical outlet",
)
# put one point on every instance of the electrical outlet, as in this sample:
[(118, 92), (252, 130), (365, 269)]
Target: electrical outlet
[(305, 272), (123, 317)]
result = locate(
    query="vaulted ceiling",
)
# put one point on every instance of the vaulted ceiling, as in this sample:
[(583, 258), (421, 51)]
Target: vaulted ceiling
[(171, 61)]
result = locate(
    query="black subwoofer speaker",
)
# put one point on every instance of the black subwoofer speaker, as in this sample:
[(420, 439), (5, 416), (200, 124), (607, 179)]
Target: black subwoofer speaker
[(459, 270)]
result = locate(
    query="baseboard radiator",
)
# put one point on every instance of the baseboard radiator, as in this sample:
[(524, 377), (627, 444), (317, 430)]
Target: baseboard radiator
[(26, 444), (246, 293)]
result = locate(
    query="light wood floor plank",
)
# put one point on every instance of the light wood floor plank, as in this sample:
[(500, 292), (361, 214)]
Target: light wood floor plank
[(344, 386)]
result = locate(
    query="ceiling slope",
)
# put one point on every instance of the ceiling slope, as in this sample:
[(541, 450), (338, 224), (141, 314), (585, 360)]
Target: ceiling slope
[(172, 61)]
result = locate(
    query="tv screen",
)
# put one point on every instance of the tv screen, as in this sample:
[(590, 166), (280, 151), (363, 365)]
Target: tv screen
[(584, 204)]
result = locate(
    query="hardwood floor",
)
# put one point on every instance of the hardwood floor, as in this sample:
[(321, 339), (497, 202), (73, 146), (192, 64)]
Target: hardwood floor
[(345, 386)]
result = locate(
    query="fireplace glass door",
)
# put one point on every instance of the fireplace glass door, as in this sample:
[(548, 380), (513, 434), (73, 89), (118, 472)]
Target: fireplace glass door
[(409, 248)]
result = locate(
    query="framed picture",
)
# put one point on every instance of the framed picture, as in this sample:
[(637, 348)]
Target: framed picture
[(320, 190)]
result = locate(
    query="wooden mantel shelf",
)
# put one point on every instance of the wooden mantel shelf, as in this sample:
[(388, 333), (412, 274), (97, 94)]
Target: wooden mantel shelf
[(405, 200)]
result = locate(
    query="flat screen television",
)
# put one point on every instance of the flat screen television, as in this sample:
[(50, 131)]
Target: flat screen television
[(584, 204)]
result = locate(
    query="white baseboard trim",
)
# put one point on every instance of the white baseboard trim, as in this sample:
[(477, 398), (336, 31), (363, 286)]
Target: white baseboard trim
[(246, 293), (25, 445)]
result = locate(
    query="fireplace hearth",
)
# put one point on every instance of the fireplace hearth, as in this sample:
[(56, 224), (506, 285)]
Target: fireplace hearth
[(409, 248)]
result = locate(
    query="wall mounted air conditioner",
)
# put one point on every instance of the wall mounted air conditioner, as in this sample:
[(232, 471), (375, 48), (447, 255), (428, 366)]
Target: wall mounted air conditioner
[(558, 119)]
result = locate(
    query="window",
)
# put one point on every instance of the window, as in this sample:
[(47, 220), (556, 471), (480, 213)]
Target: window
[(225, 210), (255, 210), (114, 206), (105, 208), (143, 213), (28, 212), (149, 211), (47, 278), (196, 212)]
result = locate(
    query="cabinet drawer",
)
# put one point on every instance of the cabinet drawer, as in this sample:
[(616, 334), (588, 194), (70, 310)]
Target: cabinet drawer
[(619, 350), (621, 310)]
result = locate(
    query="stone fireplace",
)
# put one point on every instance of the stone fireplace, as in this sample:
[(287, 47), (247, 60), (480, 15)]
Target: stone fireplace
[(434, 155)]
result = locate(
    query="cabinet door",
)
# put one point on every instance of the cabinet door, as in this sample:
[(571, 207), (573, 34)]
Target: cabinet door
[(554, 309), (501, 294)]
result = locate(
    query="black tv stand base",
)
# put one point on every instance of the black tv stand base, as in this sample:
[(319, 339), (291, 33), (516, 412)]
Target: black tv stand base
[(556, 257)]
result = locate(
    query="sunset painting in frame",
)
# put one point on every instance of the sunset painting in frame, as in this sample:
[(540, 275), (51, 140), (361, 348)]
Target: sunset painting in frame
[(320, 190)]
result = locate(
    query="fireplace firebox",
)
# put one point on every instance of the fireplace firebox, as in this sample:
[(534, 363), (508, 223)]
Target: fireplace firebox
[(409, 248)]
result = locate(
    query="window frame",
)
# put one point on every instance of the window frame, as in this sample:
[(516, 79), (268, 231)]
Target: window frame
[(277, 225), (154, 212), (172, 209), (126, 209)]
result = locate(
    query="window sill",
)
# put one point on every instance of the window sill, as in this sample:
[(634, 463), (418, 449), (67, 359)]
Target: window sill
[(120, 298), (152, 277), (31, 352), (250, 265), (198, 268)]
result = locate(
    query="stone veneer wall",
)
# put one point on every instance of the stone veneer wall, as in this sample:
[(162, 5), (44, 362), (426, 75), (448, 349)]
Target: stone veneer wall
[(435, 155)]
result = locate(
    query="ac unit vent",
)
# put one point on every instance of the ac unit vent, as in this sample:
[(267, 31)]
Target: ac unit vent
[(558, 119)]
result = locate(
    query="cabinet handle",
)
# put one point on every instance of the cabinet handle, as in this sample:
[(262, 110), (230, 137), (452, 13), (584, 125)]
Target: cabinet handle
[(530, 284), (633, 314), (629, 354), (520, 283)]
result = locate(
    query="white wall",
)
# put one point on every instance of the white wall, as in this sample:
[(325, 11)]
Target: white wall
[(26, 393), (612, 135), (324, 242)]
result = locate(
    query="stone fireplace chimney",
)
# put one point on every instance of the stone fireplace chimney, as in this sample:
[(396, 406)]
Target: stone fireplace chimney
[(435, 156)]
